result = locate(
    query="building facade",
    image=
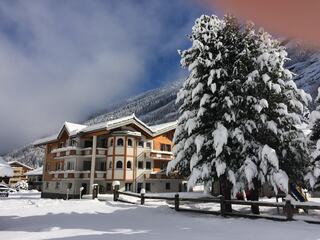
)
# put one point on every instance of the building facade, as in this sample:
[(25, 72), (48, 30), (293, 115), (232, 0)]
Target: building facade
[(124, 150), (19, 172), (34, 179)]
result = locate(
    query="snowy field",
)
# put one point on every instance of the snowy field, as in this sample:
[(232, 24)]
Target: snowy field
[(26, 216)]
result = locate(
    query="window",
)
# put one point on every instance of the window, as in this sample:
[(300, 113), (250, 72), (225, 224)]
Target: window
[(129, 165), (140, 144), (162, 147), (168, 147), (47, 185), (119, 164), (86, 165), (129, 142), (120, 142), (148, 165), (58, 166), (57, 185), (73, 142), (140, 165), (128, 186), (69, 185), (148, 187), (165, 147), (88, 143), (70, 165), (101, 142), (102, 166), (148, 144), (111, 142), (168, 186), (110, 164), (109, 187)]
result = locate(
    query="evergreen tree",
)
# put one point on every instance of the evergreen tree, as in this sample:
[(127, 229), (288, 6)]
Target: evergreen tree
[(239, 111), (313, 172)]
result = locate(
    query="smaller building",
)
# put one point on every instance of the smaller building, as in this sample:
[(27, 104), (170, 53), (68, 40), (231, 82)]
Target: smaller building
[(19, 172), (6, 172), (35, 179)]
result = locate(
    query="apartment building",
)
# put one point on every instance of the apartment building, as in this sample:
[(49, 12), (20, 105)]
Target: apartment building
[(125, 150)]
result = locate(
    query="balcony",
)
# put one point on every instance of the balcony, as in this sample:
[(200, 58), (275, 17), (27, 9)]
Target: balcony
[(76, 174), (77, 151), (159, 175), (163, 155)]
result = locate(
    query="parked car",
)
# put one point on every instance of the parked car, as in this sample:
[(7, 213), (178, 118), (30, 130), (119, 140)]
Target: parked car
[(5, 190)]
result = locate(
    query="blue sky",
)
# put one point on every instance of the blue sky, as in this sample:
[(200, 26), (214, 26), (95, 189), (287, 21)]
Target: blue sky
[(65, 60)]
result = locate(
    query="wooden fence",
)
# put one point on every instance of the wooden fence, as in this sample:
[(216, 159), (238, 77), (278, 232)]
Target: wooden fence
[(287, 206)]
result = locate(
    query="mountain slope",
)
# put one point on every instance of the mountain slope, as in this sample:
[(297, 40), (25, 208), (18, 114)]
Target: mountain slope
[(158, 105), (153, 107)]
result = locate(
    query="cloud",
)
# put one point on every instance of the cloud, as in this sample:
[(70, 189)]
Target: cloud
[(64, 60)]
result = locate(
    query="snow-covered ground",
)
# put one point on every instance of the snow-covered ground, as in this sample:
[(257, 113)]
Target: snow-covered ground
[(26, 216)]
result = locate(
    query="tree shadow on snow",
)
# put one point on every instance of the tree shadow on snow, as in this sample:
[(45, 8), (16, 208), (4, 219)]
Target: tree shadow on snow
[(126, 222)]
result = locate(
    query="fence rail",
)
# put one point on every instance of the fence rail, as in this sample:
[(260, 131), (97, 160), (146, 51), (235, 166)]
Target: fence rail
[(288, 207)]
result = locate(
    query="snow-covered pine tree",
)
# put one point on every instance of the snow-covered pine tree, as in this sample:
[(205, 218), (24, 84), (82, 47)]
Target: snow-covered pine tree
[(239, 109), (275, 146), (198, 149), (313, 171)]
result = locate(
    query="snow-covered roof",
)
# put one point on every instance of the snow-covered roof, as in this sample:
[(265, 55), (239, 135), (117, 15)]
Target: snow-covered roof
[(45, 140), (5, 169), (74, 129), (37, 171), (164, 127), (19, 163)]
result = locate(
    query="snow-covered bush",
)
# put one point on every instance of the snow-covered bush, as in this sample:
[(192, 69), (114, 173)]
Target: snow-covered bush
[(21, 185), (239, 109)]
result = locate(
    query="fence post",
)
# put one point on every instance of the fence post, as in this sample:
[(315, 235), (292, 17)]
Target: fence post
[(116, 193), (142, 198), (222, 206), (288, 207), (176, 202)]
